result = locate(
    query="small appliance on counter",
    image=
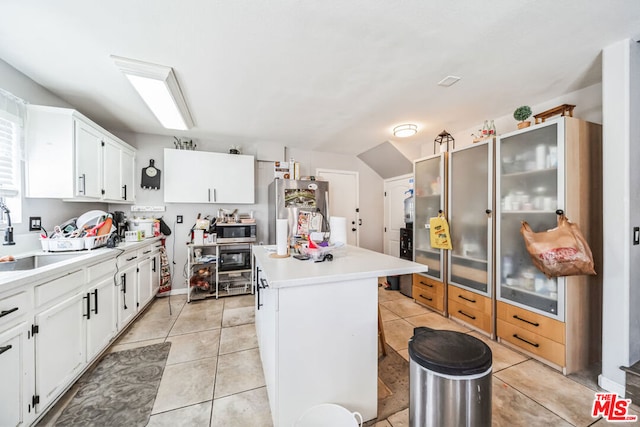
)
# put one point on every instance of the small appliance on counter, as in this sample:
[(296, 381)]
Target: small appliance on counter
[(149, 227), (120, 222)]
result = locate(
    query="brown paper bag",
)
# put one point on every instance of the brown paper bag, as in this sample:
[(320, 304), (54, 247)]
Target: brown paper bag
[(561, 251)]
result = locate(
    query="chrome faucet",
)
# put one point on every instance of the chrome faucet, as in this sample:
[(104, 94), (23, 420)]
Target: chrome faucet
[(8, 232)]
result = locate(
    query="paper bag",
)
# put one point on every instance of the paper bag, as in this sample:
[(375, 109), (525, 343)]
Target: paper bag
[(439, 232)]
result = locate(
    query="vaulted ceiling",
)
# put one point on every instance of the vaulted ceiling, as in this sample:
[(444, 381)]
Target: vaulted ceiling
[(329, 75)]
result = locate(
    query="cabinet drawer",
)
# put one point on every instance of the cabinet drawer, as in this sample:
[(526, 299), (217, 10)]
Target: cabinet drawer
[(104, 268), (49, 291), (469, 299), (145, 252), (532, 322), (127, 258), (470, 315), (13, 307), (427, 283), (533, 343), (431, 297)]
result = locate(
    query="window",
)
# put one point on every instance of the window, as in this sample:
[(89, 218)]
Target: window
[(11, 124)]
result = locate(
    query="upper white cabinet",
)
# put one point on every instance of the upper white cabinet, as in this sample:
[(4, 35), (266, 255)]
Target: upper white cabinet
[(206, 177), (70, 157)]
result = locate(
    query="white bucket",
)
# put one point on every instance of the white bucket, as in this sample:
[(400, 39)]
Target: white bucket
[(329, 414)]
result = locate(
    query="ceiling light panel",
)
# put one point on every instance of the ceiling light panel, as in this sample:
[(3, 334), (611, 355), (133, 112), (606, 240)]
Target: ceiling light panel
[(448, 81), (159, 89)]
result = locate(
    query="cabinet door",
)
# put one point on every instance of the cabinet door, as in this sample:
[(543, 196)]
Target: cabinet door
[(470, 217), (126, 289), (127, 169), (16, 371), (60, 347), (429, 200), (112, 170), (155, 273), (88, 150), (101, 323), (187, 176), (145, 284), (530, 187), (233, 178)]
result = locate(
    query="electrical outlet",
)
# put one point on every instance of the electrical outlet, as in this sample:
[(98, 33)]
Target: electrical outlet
[(179, 219), (35, 223)]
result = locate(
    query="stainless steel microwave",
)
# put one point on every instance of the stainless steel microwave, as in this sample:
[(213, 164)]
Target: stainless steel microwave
[(235, 233)]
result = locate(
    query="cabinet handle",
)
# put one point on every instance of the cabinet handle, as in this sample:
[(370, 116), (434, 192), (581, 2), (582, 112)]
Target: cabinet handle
[(515, 316), (82, 189), (132, 258), (258, 297), (215, 198), (5, 312), (5, 348), (527, 341), (426, 284), (208, 194), (124, 283), (95, 301), (124, 191), (146, 252), (467, 299), (426, 297), (488, 211), (154, 265), (468, 315), (87, 297)]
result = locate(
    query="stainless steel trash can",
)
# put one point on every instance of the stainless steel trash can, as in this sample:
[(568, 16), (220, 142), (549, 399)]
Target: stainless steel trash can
[(449, 379)]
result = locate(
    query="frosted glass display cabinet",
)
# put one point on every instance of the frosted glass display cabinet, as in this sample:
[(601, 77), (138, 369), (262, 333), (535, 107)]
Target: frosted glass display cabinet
[(531, 188), (430, 198), (555, 165), (470, 214)]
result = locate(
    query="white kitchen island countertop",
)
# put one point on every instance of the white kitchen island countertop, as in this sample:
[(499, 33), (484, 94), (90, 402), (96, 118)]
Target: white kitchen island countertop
[(349, 263), (317, 329)]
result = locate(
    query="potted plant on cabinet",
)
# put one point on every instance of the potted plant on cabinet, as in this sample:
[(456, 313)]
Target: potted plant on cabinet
[(521, 114)]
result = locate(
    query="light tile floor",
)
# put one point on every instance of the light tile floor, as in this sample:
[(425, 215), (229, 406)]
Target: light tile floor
[(213, 375)]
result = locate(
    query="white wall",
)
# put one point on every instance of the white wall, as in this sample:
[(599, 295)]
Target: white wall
[(621, 317), (52, 211)]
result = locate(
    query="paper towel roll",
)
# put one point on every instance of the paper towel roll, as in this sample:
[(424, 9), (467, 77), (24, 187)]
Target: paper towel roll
[(338, 226), (282, 230)]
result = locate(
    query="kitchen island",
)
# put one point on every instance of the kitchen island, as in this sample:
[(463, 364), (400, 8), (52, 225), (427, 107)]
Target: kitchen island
[(317, 327)]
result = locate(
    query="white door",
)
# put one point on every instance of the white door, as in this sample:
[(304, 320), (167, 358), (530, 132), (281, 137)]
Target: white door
[(127, 170), (394, 192), (88, 161), (112, 171), (101, 324), (127, 295), (145, 282), (16, 371), (344, 199)]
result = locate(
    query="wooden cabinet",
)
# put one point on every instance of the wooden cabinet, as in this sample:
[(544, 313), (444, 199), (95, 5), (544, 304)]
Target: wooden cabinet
[(70, 157), (555, 165), (471, 308), (429, 292), (206, 177)]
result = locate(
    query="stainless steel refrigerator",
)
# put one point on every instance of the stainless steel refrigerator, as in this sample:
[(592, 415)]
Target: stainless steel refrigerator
[(304, 203)]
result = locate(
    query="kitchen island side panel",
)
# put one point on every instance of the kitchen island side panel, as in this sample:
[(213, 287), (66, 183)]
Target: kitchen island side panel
[(327, 348)]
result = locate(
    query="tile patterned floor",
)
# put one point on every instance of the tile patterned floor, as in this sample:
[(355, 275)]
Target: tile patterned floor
[(214, 376)]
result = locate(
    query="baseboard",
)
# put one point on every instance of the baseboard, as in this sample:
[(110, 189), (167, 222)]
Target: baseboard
[(610, 385)]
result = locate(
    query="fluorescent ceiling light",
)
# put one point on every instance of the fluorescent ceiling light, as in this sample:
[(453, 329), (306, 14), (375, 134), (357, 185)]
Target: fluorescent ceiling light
[(159, 89), (403, 131)]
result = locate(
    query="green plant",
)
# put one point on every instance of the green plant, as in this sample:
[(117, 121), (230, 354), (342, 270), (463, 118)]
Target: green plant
[(522, 113)]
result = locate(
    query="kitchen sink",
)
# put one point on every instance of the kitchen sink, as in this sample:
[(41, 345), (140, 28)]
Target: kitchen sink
[(35, 261)]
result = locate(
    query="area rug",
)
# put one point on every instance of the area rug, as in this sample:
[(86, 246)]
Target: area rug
[(120, 391), (393, 385)]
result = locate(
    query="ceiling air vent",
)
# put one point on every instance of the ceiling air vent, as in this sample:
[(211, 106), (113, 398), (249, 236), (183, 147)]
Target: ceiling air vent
[(448, 81)]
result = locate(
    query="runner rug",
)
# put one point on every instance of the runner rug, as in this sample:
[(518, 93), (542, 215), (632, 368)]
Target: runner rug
[(120, 391)]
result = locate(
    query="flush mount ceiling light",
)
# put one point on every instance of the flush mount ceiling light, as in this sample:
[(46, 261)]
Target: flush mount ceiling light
[(448, 81), (403, 131), (159, 89)]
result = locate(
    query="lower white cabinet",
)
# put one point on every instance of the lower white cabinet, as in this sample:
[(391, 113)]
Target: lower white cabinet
[(127, 278), (101, 320), (60, 347), (145, 282), (16, 371)]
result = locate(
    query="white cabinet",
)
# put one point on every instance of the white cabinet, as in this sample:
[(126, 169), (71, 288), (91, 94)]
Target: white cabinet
[(101, 319), (16, 371), (70, 157), (88, 161), (118, 172), (127, 283), (206, 177), (145, 283), (60, 347)]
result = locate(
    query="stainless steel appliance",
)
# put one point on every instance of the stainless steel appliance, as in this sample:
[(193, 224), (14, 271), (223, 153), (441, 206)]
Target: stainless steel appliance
[(234, 257), (304, 203), (235, 233)]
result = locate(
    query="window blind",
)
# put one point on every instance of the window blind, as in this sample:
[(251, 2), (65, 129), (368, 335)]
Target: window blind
[(8, 149)]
